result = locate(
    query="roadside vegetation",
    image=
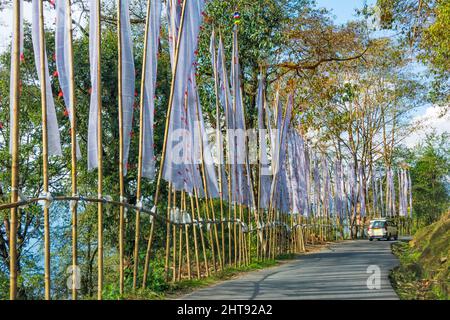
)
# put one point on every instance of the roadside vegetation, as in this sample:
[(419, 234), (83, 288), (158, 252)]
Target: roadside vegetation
[(169, 290), (424, 261), (423, 273)]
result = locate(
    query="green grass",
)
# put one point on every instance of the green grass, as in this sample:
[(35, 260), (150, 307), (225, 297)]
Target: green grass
[(424, 263), (172, 290)]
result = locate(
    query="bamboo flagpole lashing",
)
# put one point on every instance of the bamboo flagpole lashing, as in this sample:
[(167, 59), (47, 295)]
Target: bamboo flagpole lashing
[(15, 60)]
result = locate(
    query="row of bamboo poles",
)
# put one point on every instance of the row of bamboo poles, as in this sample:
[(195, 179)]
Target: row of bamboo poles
[(239, 240), (223, 235)]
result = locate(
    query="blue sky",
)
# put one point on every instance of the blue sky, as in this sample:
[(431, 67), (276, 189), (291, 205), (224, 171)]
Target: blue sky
[(344, 10)]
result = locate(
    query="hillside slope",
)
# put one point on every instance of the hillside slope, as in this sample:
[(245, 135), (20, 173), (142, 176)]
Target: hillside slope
[(424, 263)]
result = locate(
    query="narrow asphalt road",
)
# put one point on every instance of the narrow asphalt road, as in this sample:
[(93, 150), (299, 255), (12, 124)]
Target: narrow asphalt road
[(340, 271)]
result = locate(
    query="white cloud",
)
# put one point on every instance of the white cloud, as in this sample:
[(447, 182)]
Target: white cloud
[(434, 118)]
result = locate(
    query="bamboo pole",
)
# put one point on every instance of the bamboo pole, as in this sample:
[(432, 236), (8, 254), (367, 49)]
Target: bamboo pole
[(99, 162), (247, 166), (205, 188), (219, 135), (233, 61), (166, 130), (201, 232), (174, 253), (258, 204), (136, 248), (249, 255), (180, 252), (194, 229), (259, 237), (291, 235), (273, 234), (240, 235), (44, 152), (121, 147), (210, 234), (15, 151), (147, 254), (235, 237), (186, 232), (174, 241), (230, 200), (73, 140), (141, 147), (166, 264)]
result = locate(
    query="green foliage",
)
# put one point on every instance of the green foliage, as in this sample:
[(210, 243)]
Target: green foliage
[(424, 26), (429, 175), (261, 36), (424, 263), (436, 39)]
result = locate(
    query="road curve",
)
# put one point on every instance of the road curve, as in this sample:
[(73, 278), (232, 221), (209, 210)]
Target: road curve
[(339, 271)]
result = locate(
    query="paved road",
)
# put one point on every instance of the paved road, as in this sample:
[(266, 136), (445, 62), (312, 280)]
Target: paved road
[(337, 272)]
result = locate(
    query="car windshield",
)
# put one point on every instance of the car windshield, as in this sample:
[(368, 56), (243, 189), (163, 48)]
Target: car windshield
[(378, 224)]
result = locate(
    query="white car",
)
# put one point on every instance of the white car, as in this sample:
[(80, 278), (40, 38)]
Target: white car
[(382, 229)]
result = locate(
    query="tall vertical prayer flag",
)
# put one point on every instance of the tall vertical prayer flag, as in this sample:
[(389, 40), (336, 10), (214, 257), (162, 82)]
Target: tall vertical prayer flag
[(326, 186), (264, 168), (207, 159), (11, 83), (279, 182), (148, 157), (317, 187), (54, 144), (295, 172), (63, 58), (221, 101), (410, 195), (94, 55), (362, 192), (243, 176), (226, 102), (175, 167), (128, 78)]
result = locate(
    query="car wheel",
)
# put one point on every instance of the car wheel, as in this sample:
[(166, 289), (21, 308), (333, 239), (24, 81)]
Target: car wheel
[(370, 239)]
